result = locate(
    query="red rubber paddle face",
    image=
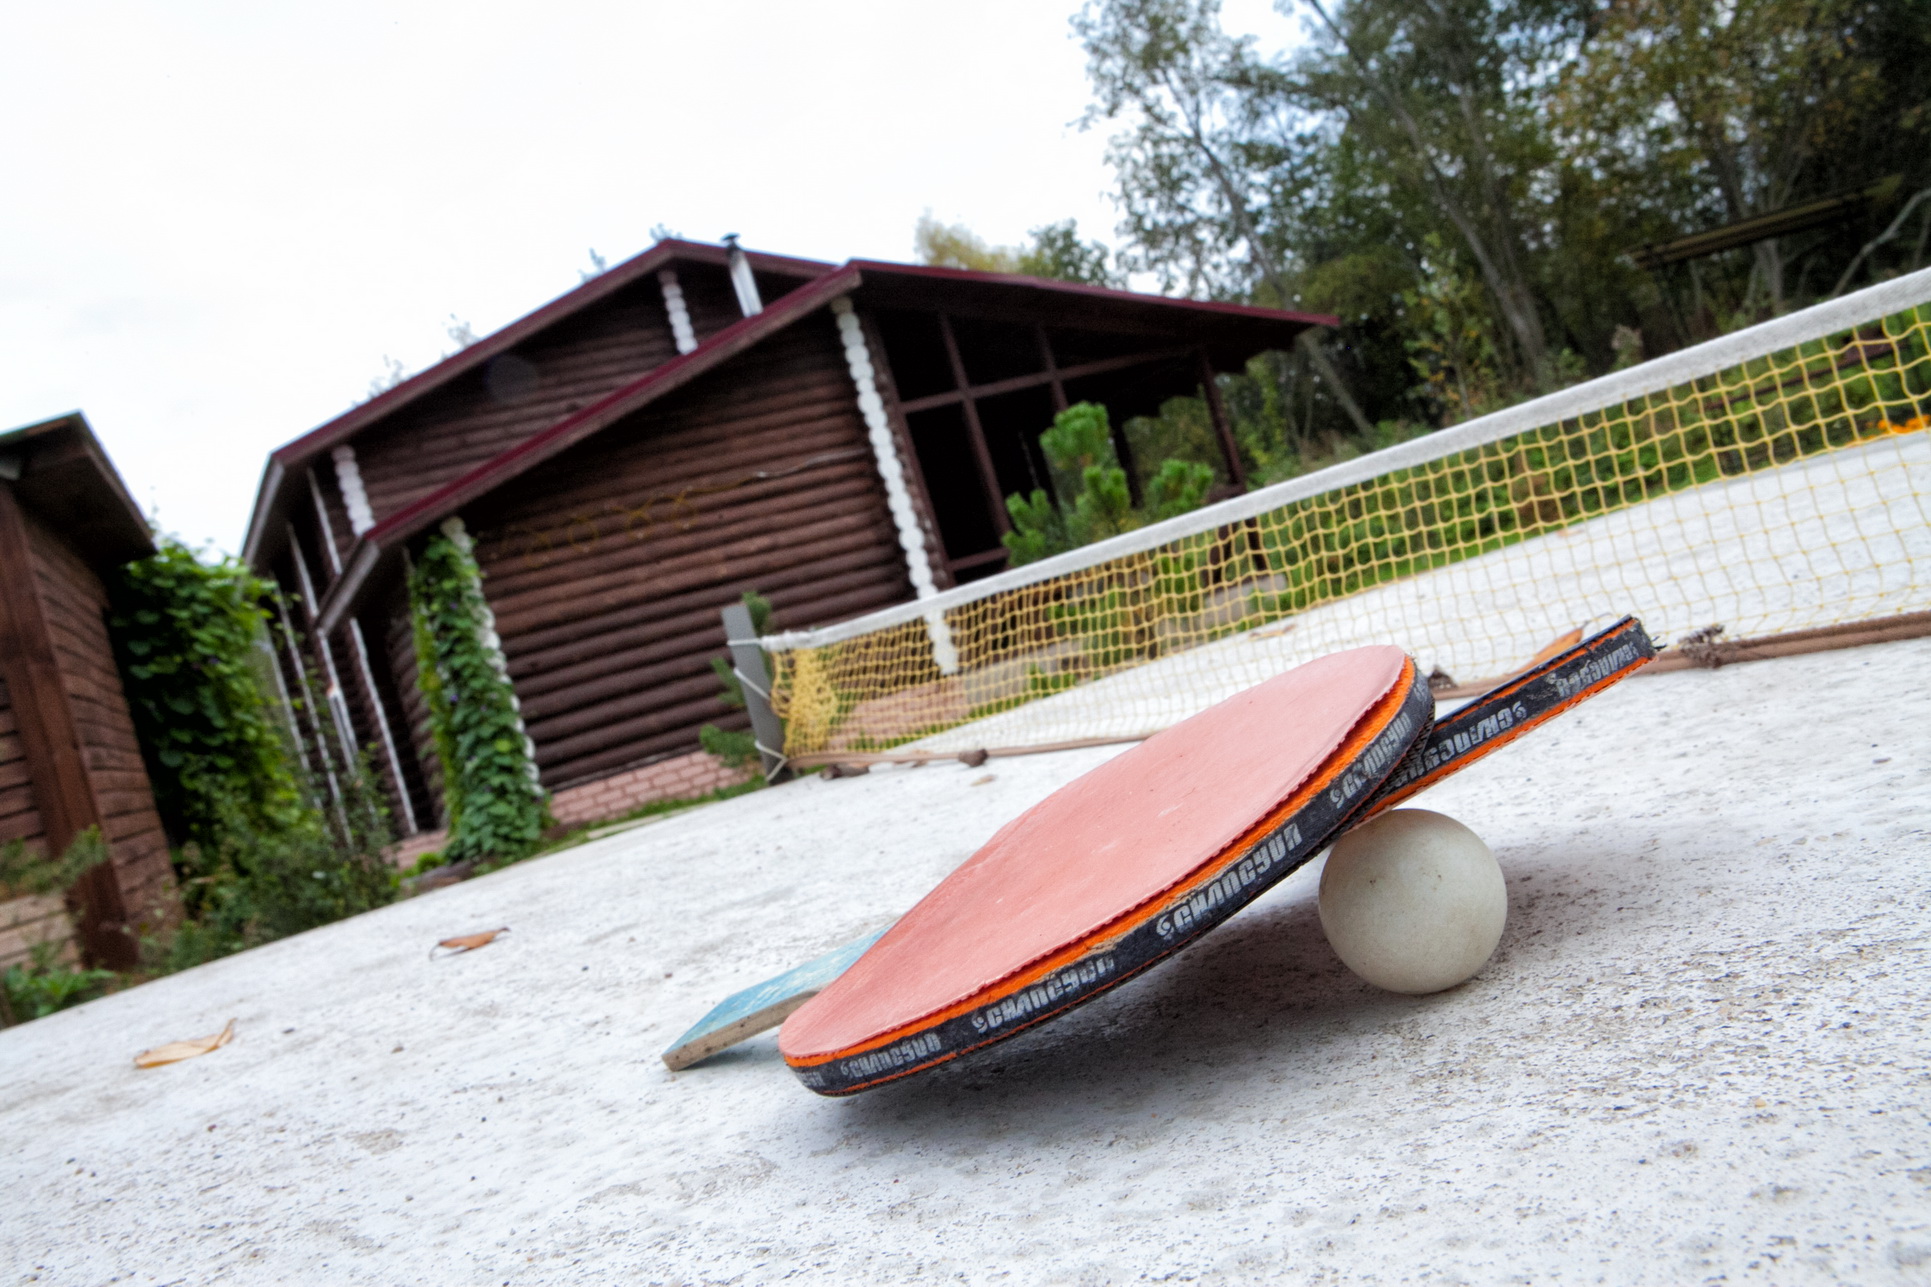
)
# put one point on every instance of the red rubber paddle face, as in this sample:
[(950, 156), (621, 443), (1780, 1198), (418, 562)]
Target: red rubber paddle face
[(1117, 870)]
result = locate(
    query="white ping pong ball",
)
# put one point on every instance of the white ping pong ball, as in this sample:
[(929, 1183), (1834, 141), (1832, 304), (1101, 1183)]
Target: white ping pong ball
[(1413, 901)]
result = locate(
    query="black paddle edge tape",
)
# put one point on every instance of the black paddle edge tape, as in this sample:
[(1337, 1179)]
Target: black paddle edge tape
[(1512, 709), (1182, 920)]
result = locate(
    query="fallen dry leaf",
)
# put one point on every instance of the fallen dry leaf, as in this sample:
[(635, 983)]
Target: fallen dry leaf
[(175, 1051), (469, 942)]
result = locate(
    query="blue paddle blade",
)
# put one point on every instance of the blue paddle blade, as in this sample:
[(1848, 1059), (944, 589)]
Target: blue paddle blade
[(763, 1006)]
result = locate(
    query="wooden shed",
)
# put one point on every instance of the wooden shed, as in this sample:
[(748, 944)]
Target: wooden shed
[(68, 755), (694, 423)]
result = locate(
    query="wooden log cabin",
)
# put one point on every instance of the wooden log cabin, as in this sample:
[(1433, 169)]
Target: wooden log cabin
[(68, 755), (694, 423)]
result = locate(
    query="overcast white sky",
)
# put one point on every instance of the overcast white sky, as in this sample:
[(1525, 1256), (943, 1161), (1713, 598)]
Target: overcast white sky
[(217, 219)]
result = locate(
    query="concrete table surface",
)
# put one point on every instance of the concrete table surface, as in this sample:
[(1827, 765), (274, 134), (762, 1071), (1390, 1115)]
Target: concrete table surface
[(1699, 1054)]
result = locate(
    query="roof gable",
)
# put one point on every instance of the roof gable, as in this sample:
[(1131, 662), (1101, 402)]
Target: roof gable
[(476, 360), (1224, 327), (62, 475)]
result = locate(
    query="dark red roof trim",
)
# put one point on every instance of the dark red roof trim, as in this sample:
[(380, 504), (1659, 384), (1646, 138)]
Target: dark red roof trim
[(1093, 292), (284, 460), (539, 447)]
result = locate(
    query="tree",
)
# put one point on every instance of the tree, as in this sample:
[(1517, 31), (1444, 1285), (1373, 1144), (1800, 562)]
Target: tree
[(957, 246), (1442, 93), (1079, 447), (1056, 252), (1168, 72), (1192, 166), (1724, 110), (1461, 181)]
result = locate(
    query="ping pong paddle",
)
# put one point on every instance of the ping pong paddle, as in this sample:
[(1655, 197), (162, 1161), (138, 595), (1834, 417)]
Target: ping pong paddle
[(1132, 862), (1520, 703), (1556, 679), (762, 1007)]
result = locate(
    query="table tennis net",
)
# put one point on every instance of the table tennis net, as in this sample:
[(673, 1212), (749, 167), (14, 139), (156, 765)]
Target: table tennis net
[(1772, 480)]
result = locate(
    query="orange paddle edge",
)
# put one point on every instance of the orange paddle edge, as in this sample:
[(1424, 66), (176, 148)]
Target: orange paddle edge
[(1117, 870)]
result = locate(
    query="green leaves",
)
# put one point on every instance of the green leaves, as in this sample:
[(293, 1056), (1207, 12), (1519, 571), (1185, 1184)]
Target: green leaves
[(1079, 447), (1038, 528), (496, 810), (258, 859), (1461, 181), (250, 886), (736, 747), (186, 633), (1178, 487), (24, 871), (1056, 252), (44, 985)]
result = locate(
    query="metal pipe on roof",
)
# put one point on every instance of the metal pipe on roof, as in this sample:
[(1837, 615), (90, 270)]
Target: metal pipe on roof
[(742, 281)]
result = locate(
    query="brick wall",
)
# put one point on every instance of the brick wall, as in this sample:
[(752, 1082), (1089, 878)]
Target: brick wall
[(405, 852), (678, 778)]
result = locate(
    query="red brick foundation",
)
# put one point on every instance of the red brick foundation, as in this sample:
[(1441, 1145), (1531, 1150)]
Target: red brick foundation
[(405, 852), (678, 778)]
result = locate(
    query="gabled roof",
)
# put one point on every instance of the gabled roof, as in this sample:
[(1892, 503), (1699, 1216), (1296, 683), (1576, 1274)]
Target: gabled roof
[(284, 460), (1060, 303), (63, 477), (1227, 328)]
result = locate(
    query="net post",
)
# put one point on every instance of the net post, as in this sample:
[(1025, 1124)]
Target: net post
[(754, 679)]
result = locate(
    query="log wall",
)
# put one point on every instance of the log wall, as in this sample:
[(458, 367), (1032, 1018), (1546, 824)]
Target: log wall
[(476, 417), (607, 566), (75, 605), (25, 920), (19, 814)]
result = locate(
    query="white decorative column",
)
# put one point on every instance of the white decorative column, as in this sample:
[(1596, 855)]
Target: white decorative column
[(355, 497), (898, 497), (680, 314), (356, 501), (337, 703)]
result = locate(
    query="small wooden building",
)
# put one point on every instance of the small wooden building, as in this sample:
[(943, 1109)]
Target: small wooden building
[(68, 755), (694, 423)]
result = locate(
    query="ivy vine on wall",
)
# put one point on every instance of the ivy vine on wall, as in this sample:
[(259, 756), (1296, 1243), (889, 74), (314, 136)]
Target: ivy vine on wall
[(495, 808), (186, 633), (261, 850)]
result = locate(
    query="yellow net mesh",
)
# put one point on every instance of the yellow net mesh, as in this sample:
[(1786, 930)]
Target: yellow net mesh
[(1786, 492)]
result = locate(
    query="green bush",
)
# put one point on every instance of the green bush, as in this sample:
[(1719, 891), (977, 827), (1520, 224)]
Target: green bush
[(250, 887), (38, 989), (43, 986), (1079, 447), (263, 852), (1179, 487), (24, 871), (737, 747), (186, 634)]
